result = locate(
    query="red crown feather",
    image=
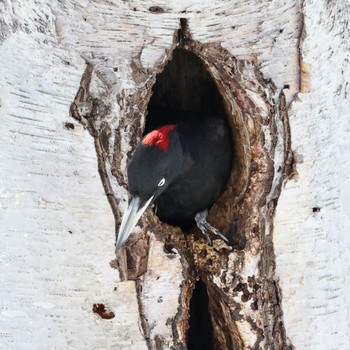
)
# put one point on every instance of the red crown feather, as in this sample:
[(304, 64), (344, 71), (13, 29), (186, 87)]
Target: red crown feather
[(159, 138)]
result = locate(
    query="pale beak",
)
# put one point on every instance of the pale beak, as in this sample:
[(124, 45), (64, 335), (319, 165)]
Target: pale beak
[(131, 217)]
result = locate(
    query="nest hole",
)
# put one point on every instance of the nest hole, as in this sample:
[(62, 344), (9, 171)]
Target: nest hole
[(185, 89), (200, 331)]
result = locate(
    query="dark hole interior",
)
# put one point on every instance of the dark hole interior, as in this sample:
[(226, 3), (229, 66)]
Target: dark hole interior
[(200, 332), (184, 89)]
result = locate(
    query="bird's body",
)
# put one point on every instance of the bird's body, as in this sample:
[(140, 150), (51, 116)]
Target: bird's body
[(183, 168), (205, 168)]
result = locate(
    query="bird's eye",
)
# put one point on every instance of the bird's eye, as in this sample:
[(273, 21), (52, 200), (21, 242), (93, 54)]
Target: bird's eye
[(161, 182)]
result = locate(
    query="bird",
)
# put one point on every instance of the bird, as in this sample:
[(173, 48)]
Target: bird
[(182, 168)]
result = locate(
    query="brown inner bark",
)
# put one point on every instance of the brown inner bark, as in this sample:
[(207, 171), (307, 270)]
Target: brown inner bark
[(242, 212)]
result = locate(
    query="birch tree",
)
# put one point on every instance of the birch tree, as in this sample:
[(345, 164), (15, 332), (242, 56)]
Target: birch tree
[(79, 80)]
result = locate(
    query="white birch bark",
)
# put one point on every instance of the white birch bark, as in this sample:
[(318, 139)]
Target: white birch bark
[(312, 225), (57, 228)]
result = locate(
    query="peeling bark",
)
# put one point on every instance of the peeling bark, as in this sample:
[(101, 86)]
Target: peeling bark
[(245, 310), (284, 210)]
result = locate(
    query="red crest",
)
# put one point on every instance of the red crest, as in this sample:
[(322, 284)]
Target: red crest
[(159, 138)]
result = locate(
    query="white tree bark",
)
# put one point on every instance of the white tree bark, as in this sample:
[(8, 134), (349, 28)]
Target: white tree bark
[(312, 225), (57, 228)]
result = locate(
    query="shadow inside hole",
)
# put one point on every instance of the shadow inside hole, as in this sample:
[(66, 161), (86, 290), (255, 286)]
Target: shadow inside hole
[(200, 332), (184, 89)]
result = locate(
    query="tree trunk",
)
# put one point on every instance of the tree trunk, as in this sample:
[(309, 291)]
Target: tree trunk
[(279, 72)]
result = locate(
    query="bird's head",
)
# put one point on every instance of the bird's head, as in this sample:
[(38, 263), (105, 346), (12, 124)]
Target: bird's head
[(155, 163)]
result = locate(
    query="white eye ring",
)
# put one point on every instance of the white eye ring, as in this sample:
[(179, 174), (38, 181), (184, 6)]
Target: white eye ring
[(161, 182)]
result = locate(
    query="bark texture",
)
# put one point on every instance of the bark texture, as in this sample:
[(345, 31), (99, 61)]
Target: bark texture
[(60, 278), (311, 234), (242, 293)]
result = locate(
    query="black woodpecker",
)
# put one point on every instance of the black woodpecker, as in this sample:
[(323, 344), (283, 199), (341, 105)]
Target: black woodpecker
[(182, 169)]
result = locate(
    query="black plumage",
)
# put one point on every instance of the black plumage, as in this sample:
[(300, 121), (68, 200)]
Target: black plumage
[(182, 168)]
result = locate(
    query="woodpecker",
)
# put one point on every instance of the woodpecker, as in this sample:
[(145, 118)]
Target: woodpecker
[(182, 169)]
